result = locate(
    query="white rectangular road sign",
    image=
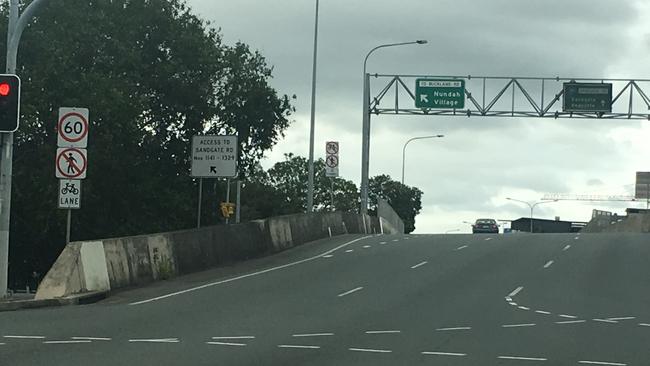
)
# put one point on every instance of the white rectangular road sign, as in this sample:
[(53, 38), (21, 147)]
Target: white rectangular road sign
[(332, 159), (72, 127), (69, 194), (71, 163), (214, 156)]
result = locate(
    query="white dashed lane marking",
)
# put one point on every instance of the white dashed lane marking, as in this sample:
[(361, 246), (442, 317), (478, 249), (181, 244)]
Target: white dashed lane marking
[(444, 353), (382, 243), (454, 328), (523, 307), (570, 322), (227, 344), (605, 320), (297, 346), (234, 337), (486, 239), (522, 358), (419, 265), (602, 363), (370, 350), (350, 292), (313, 335), (461, 247), (155, 340), (622, 318), (567, 316), (518, 325), (24, 337), (366, 246), (383, 331), (566, 247), (515, 291), (543, 312), (92, 338), (67, 342), (395, 240), (349, 251), (548, 264), (644, 324)]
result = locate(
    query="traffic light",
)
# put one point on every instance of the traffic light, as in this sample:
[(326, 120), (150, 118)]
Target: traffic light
[(9, 102)]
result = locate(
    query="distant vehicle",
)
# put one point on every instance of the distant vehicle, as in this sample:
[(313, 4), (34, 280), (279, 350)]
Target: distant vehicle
[(487, 226)]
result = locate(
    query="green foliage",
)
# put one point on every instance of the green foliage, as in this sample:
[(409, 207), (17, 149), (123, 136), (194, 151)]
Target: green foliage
[(405, 200), (152, 75), (290, 177)]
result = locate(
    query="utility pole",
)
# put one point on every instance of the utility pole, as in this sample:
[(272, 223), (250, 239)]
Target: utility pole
[(312, 125)]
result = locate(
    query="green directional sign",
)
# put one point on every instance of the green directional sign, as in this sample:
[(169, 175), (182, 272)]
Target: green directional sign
[(587, 97), (440, 93)]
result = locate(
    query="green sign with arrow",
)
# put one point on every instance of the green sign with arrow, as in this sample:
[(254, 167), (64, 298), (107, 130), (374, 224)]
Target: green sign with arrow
[(440, 93)]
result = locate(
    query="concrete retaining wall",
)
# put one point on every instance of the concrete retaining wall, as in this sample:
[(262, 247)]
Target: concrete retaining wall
[(633, 222), (390, 220), (138, 260)]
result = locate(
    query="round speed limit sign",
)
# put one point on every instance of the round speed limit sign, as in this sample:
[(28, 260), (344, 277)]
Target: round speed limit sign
[(72, 127)]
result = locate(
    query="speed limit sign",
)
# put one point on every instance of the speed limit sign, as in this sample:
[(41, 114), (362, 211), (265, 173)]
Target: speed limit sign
[(72, 127)]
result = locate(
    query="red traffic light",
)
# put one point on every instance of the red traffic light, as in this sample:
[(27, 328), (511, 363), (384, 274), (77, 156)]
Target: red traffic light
[(5, 89)]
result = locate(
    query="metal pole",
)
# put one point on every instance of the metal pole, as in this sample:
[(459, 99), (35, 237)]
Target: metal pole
[(15, 30), (406, 144), (237, 208), (67, 228), (365, 144), (310, 183), (198, 211), (332, 193), (227, 197), (531, 218)]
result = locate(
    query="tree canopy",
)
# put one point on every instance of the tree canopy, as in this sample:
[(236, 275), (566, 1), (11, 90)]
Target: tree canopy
[(405, 200)]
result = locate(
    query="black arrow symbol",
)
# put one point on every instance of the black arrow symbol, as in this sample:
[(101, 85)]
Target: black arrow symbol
[(213, 169)]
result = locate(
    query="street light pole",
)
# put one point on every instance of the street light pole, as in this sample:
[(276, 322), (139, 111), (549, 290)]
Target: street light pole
[(17, 23), (532, 207), (407, 142), (310, 182), (365, 135)]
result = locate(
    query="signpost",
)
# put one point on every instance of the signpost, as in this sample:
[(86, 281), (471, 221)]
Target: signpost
[(440, 93), (332, 165), (71, 161), (587, 97), (213, 156)]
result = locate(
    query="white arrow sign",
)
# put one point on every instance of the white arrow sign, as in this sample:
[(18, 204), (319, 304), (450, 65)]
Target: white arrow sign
[(424, 98)]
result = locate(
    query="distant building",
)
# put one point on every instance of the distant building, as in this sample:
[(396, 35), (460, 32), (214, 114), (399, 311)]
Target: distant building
[(547, 226)]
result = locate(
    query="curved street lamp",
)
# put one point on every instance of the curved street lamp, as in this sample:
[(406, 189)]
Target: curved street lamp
[(413, 139), (365, 145), (532, 207)]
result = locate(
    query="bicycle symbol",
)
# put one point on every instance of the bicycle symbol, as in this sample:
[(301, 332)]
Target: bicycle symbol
[(70, 188)]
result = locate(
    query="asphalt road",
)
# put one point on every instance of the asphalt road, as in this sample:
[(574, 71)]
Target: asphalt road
[(381, 300)]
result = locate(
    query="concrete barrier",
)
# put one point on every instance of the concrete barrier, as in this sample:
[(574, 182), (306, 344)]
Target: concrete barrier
[(133, 261), (389, 220)]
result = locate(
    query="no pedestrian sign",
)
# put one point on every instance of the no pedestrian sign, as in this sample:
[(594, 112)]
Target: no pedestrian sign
[(214, 156), (332, 159), (72, 127), (71, 163)]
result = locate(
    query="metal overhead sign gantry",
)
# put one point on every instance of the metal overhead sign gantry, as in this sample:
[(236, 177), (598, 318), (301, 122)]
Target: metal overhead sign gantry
[(490, 96)]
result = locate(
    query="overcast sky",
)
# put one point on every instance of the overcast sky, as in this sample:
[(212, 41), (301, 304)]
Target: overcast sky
[(481, 161)]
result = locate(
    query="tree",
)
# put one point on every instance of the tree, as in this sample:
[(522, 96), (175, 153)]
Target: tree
[(153, 75), (405, 200), (290, 178)]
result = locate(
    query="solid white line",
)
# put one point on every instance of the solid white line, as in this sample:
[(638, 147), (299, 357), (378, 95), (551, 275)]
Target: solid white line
[(66, 342), (24, 337), (523, 307), (349, 292), (542, 312), (603, 363), (644, 324), (567, 316), (518, 325), (444, 353), (161, 340), (313, 335), (461, 248), (455, 328), (522, 358), (570, 322), (548, 264), (249, 274), (419, 265), (370, 350), (349, 251), (383, 331), (566, 247), (297, 346), (605, 321), (328, 256), (622, 318), (235, 337), (515, 291), (226, 344), (92, 338)]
